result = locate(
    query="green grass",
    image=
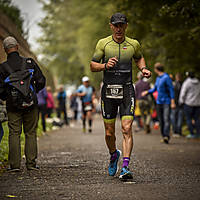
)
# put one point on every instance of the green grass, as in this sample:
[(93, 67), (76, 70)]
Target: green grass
[(4, 142), (185, 130)]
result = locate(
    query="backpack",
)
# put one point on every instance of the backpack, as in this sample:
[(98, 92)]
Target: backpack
[(21, 92)]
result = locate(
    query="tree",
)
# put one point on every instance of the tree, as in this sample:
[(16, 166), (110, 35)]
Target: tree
[(167, 30), (13, 13), (70, 35)]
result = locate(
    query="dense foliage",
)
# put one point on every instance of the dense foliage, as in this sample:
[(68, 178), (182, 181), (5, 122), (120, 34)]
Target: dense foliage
[(71, 30), (13, 13), (168, 30)]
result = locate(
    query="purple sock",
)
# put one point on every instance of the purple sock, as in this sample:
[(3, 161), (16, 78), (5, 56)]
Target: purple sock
[(113, 156), (125, 161)]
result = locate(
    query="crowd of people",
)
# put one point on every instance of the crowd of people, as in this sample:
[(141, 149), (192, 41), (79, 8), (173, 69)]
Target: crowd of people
[(162, 103), (170, 102), (60, 108)]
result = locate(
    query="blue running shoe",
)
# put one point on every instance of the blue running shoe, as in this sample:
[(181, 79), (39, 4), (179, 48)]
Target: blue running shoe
[(113, 168), (125, 174)]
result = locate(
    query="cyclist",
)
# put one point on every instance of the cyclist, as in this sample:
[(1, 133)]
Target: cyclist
[(86, 93), (113, 55)]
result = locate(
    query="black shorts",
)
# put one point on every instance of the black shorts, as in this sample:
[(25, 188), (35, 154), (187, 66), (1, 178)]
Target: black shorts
[(126, 105)]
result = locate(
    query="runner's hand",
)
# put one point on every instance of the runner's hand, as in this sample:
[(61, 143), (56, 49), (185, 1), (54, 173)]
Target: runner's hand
[(111, 62), (146, 73)]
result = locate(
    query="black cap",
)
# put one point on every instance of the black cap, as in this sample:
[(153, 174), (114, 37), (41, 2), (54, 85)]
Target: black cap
[(118, 18)]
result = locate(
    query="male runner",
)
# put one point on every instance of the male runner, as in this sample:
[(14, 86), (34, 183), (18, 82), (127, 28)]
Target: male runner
[(86, 92), (116, 53)]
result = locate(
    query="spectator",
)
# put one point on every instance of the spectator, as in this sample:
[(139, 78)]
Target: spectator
[(1, 131), (42, 106), (3, 118), (61, 97), (143, 102), (165, 97), (190, 99), (154, 115), (177, 113), (74, 105), (50, 102), (18, 117), (137, 115)]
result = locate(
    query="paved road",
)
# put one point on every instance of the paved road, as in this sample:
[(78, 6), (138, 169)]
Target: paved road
[(74, 166)]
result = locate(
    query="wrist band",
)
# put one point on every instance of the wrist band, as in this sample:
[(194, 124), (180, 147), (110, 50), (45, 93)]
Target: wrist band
[(105, 65)]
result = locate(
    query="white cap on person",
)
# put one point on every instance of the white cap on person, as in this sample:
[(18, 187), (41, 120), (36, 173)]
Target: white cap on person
[(85, 79), (9, 42)]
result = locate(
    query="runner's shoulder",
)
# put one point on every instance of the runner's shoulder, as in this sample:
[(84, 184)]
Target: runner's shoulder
[(105, 40), (132, 41), (80, 87)]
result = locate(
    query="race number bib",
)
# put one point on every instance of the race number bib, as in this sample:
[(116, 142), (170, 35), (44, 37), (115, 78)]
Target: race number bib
[(114, 91), (88, 107)]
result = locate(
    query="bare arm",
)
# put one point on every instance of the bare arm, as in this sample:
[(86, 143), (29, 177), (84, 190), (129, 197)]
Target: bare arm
[(140, 63), (97, 67), (142, 67), (81, 94)]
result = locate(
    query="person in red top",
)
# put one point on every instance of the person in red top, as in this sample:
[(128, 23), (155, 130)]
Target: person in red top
[(154, 114), (50, 102)]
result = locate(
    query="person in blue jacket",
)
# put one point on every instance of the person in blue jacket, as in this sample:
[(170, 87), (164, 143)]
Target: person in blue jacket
[(165, 100)]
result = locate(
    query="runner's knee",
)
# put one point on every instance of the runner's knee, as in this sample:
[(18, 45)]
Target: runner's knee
[(110, 131), (127, 130)]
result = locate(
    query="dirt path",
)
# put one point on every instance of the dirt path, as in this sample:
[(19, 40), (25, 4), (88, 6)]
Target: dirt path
[(73, 165)]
